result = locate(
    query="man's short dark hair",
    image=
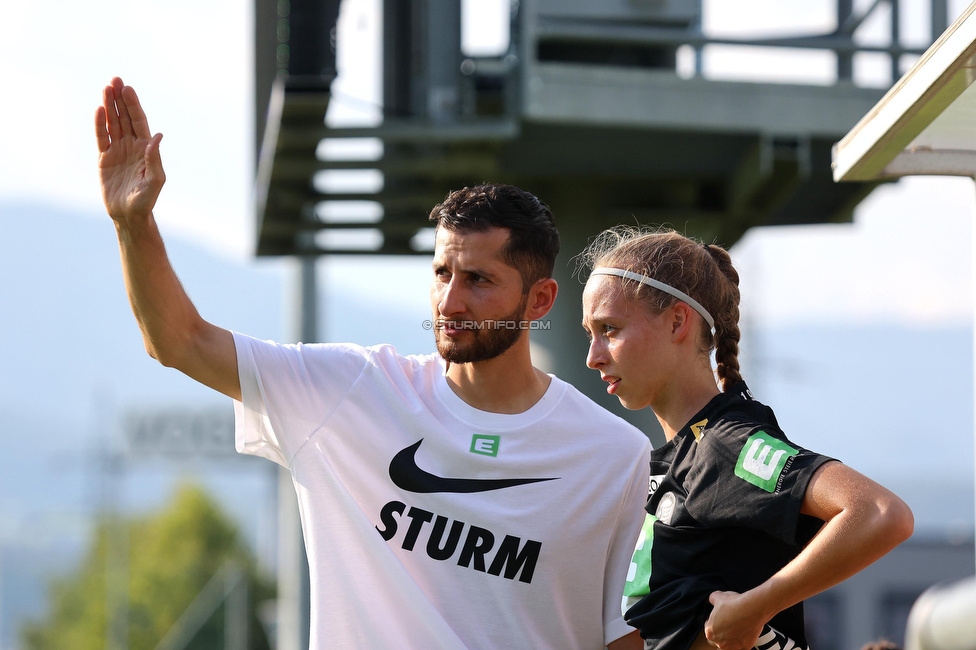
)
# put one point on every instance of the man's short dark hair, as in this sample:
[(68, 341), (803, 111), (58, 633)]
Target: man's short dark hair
[(533, 242)]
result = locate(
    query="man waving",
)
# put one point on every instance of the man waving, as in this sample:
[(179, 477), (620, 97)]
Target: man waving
[(463, 499)]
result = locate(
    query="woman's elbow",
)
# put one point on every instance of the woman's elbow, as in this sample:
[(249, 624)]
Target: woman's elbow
[(897, 520)]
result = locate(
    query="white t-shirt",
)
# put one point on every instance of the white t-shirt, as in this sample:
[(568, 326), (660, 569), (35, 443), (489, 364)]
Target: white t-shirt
[(431, 524)]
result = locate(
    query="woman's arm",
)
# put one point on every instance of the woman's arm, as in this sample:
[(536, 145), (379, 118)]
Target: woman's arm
[(863, 521)]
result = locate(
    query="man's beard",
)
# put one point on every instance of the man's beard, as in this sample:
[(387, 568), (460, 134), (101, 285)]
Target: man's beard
[(487, 343)]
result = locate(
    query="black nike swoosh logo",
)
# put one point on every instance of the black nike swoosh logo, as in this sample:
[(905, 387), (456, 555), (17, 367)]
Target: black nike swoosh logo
[(407, 476)]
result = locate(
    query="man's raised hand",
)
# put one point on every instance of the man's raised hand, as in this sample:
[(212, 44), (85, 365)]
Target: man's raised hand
[(132, 176), (129, 165)]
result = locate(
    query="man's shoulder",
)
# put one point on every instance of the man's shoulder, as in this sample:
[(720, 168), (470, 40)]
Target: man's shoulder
[(330, 357), (387, 354), (587, 414), (582, 402), (324, 349), (379, 353)]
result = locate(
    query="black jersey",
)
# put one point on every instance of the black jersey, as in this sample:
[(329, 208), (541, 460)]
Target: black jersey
[(724, 515)]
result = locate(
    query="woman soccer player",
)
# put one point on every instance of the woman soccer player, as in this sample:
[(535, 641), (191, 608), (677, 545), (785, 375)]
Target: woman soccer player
[(743, 523)]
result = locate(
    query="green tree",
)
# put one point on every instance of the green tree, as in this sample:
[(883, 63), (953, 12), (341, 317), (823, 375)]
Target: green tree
[(171, 557)]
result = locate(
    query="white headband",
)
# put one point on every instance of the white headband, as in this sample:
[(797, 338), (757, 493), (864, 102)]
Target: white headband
[(660, 286)]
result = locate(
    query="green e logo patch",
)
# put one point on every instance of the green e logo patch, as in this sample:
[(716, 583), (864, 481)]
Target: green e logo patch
[(485, 445), (639, 572), (762, 460)]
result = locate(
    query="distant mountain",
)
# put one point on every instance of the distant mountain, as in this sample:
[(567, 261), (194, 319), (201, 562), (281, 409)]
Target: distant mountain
[(71, 339), (68, 325)]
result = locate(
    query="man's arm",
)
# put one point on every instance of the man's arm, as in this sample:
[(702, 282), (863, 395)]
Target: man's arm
[(621, 552), (131, 173), (632, 641), (863, 521)]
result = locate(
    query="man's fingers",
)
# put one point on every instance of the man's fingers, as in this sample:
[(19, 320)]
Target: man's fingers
[(154, 162), (120, 115), (101, 132), (126, 122), (137, 116), (114, 127)]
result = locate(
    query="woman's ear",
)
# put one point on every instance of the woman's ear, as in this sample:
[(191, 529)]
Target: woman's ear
[(682, 321)]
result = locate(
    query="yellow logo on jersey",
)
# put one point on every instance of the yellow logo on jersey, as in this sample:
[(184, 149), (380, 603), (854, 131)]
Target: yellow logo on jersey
[(698, 428)]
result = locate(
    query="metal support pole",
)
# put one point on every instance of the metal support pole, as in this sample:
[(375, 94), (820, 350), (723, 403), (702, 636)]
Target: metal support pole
[(293, 580), (940, 18), (443, 59), (697, 49), (895, 40), (845, 60)]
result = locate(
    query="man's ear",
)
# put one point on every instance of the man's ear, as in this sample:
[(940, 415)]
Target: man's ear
[(542, 296)]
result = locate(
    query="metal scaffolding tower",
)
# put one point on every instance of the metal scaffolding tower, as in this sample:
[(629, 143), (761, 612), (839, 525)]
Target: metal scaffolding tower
[(586, 109)]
